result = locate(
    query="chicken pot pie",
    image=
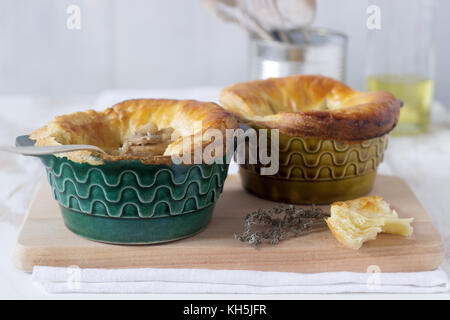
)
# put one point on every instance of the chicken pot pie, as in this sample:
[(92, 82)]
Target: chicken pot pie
[(149, 199), (148, 130), (313, 107), (331, 137)]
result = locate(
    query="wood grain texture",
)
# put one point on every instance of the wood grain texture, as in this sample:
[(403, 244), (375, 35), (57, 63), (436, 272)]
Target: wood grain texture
[(44, 240)]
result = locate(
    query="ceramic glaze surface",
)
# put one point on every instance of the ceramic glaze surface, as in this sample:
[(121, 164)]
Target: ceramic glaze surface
[(318, 171), (131, 189), (128, 202)]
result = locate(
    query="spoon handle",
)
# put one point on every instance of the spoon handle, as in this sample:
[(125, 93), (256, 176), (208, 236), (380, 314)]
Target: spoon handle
[(41, 151)]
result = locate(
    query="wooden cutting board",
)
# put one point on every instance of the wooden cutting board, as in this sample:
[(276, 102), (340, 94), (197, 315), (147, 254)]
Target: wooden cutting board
[(45, 241)]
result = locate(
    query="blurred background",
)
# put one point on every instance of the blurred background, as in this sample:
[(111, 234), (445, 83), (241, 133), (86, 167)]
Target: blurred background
[(143, 44)]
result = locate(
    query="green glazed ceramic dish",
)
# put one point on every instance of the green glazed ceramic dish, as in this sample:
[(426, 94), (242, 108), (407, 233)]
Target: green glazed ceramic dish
[(127, 202), (314, 171)]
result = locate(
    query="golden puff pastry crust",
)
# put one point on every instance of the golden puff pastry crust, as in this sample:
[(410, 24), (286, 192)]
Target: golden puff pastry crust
[(313, 106), (110, 128)]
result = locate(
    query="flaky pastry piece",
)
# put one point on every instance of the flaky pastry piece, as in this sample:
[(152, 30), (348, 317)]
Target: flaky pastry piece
[(150, 130), (357, 221), (313, 106)]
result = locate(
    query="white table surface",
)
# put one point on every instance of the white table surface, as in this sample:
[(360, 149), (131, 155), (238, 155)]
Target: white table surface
[(415, 159)]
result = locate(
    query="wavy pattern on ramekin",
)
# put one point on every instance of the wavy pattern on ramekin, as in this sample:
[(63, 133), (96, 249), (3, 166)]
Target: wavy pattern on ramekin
[(325, 160), (144, 191)]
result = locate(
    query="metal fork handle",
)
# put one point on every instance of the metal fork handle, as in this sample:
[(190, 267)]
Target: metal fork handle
[(46, 150)]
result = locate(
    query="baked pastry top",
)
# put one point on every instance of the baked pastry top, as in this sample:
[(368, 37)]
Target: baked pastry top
[(149, 130), (313, 106)]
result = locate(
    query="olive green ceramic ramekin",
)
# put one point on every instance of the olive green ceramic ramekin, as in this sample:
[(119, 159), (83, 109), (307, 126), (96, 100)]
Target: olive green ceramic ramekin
[(128, 202), (314, 171)]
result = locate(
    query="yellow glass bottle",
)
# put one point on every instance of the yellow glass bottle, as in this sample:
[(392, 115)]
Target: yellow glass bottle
[(416, 92), (400, 58)]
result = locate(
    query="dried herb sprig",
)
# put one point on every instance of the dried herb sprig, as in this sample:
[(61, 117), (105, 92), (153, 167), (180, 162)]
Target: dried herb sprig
[(279, 223)]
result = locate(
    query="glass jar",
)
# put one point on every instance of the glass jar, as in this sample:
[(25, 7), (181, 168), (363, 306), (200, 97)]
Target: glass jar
[(313, 51), (401, 58)]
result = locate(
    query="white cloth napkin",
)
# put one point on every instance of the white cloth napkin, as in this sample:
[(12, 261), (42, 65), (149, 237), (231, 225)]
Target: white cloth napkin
[(166, 281)]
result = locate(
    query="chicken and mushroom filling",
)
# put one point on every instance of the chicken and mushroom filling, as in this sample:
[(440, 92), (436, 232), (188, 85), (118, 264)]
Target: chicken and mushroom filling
[(147, 141)]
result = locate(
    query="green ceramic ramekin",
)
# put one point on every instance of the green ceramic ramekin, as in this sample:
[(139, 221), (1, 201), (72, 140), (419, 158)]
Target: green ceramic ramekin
[(128, 202), (314, 171)]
